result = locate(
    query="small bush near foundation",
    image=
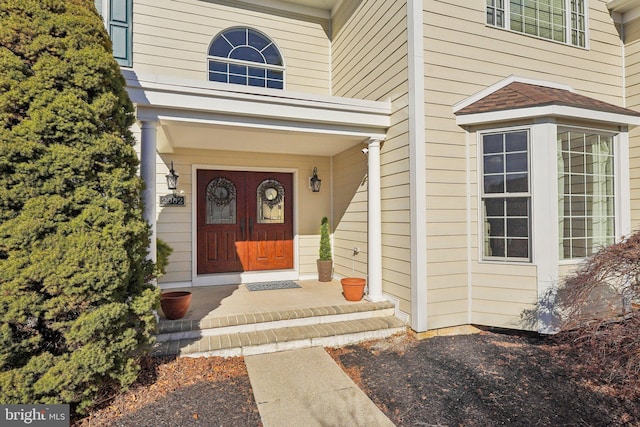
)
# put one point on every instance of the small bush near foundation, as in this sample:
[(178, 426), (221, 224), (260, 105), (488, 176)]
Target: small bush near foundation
[(607, 339)]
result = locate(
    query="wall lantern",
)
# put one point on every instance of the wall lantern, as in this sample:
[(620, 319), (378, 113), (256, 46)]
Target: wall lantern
[(314, 181), (172, 179)]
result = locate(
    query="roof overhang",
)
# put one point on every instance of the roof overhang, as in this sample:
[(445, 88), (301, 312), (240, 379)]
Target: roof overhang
[(615, 116), (208, 115), (624, 10), (547, 111)]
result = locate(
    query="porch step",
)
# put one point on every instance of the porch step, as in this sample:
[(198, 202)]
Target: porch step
[(258, 333)]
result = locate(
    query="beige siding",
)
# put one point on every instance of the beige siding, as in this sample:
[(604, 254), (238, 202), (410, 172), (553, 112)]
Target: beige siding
[(175, 224), (632, 80), (171, 39), (369, 61), (462, 57)]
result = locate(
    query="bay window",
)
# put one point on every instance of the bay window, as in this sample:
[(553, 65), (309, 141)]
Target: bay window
[(505, 195), (586, 196)]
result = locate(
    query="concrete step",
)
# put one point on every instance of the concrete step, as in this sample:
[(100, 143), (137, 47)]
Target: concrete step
[(259, 333)]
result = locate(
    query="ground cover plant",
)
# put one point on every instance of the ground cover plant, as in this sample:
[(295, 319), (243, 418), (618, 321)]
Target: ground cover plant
[(75, 304)]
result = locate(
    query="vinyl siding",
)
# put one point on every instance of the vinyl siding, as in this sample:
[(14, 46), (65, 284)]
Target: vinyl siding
[(175, 224), (171, 39), (462, 57), (369, 61), (632, 87)]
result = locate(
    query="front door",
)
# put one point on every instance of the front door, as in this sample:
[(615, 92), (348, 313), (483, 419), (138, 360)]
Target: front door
[(244, 221)]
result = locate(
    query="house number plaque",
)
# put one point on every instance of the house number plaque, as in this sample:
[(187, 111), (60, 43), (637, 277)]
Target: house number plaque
[(172, 200)]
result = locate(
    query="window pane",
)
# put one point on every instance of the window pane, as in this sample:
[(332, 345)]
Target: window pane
[(494, 207), (517, 162), (246, 53), (494, 184), (492, 144), (517, 206), (272, 55), (516, 141), (517, 183), (518, 248), (517, 227), (493, 164), (257, 40), (237, 37), (220, 47)]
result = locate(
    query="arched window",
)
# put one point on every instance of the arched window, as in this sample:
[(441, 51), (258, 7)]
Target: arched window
[(246, 57)]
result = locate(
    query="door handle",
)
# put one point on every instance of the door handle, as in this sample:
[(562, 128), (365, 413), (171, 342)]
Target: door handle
[(241, 228), (250, 227)]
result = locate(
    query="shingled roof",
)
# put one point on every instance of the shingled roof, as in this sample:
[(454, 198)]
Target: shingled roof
[(518, 95)]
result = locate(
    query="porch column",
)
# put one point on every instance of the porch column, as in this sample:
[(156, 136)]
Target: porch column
[(374, 239), (148, 173)]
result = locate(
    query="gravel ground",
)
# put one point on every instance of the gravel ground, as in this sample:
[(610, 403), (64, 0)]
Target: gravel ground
[(486, 379)]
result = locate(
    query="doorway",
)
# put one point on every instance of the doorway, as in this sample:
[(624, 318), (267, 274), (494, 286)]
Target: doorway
[(244, 221)]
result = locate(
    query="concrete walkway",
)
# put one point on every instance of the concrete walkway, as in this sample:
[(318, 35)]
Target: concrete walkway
[(307, 388)]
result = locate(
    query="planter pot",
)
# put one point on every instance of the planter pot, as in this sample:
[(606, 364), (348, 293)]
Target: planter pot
[(175, 304), (325, 268), (353, 288)]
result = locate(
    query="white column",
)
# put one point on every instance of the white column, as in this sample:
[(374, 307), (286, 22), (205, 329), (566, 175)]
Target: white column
[(374, 245), (148, 174)]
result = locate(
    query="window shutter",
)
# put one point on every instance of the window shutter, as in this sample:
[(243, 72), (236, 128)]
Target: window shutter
[(120, 23)]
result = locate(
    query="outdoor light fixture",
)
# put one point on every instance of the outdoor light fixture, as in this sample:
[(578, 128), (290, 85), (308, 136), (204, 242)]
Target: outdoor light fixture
[(172, 178), (314, 181)]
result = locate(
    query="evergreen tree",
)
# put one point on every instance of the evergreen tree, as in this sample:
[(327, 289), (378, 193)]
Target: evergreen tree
[(75, 303)]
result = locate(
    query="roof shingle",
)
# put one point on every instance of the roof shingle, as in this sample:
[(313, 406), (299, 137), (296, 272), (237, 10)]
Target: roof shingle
[(518, 95)]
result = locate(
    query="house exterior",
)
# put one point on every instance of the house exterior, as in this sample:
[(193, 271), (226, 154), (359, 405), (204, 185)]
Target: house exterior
[(470, 153)]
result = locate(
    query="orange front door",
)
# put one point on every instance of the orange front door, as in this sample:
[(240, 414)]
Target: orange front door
[(244, 221)]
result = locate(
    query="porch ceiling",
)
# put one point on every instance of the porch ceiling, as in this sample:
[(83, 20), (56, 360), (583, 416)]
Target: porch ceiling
[(184, 135)]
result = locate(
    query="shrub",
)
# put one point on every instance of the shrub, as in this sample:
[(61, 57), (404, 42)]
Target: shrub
[(325, 242), (76, 307), (163, 251)]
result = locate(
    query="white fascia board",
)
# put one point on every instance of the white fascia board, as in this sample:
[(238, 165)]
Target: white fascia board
[(547, 111), (159, 98), (291, 7), (258, 123), (504, 82)]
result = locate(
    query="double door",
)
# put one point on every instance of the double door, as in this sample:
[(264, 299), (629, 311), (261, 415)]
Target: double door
[(244, 221)]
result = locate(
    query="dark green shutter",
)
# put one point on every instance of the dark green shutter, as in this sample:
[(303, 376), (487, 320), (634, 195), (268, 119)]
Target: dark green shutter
[(120, 20)]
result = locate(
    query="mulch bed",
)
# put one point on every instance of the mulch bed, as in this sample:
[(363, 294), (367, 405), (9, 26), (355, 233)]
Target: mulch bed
[(486, 379), (182, 392)]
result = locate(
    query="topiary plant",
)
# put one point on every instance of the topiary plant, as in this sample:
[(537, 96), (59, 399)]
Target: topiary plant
[(163, 250), (76, 308), (325, 241)]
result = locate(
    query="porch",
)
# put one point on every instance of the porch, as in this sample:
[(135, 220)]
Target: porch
[(230, 320)]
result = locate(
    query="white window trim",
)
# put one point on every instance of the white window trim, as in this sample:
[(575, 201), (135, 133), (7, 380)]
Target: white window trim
[(480, 191), (282, 67), (507, 25)]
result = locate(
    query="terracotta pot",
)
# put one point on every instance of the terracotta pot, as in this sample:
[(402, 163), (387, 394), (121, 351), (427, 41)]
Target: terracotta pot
[(353, 288), (175, 304), (325, 268)]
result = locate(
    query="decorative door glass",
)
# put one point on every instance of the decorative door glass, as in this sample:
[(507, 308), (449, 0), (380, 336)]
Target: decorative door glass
[(221, 202), (270, 202)]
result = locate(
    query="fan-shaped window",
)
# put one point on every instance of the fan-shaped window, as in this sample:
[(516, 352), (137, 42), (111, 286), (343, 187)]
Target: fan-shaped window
[(246, 57)]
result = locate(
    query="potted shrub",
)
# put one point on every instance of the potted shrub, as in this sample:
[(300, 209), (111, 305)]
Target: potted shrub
[(325, 262)]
